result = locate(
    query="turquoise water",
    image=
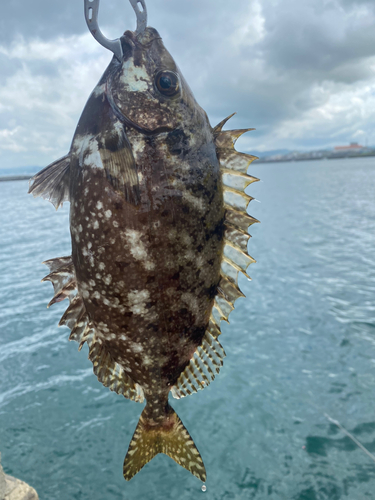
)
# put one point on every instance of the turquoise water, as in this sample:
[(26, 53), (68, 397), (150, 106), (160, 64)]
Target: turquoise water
[(300, 345)]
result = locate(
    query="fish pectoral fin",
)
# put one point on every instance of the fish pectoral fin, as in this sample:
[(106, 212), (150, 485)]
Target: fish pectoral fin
[(169, 437), (119, 163), (52, 183)]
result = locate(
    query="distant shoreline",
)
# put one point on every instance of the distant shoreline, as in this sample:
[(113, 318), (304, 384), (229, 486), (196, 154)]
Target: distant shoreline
[(265, 159), (15, 178), (308, 157)]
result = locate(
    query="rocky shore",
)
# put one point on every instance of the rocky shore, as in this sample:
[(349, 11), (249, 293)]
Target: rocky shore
[(14, 489)]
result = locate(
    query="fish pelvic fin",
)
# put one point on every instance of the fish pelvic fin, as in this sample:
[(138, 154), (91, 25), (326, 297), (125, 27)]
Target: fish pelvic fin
[(169, 436), (52, 183)]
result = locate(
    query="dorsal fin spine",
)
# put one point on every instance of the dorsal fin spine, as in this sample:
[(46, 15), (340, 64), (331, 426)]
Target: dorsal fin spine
[(216, 130)]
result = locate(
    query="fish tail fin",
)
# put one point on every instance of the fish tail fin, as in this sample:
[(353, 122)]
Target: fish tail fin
[(169, 436)]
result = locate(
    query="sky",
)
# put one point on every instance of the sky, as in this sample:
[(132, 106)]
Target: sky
[(302, 72)]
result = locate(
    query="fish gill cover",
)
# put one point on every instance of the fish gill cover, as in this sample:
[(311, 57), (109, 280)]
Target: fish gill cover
[(159, 231)]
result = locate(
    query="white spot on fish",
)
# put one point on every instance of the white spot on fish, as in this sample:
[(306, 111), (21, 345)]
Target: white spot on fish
[(146, 360), (108, 279), (95, 224), (138, 249), (92, 157), (134, 78), (99, 205), (197, 203), (137, 301), (108, 214), (137, 347), (101, 266), (99, 90)]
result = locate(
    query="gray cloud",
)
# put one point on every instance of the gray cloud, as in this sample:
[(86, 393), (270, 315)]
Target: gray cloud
[(302, 73)]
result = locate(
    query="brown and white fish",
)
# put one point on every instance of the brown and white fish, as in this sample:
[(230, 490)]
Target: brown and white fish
[(159, 234)]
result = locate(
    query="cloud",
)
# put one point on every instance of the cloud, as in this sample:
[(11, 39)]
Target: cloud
[(41, 106), (302, 73)]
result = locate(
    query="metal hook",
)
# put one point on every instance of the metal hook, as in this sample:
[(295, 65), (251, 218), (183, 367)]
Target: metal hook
[(141, 15), (91, 15)]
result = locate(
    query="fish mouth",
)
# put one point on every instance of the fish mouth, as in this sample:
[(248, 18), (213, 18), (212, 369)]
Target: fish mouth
[(125, 119)]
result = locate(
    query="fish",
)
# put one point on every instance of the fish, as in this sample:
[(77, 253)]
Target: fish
[(159, 234)]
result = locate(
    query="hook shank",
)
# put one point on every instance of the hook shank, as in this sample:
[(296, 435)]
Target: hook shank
[(91, 16)]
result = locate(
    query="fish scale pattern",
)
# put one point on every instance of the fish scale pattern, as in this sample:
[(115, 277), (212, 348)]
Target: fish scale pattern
[(208, 358)]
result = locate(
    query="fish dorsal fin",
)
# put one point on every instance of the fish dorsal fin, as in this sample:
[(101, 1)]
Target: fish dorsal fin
[(202, 368), (52, 183), (108, 372), (208, 357)]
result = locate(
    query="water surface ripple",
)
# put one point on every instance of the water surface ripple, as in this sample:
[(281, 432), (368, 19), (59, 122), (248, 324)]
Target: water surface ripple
[(300, 345)]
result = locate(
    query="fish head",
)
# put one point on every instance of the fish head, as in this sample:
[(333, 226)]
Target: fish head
[(147, 88)]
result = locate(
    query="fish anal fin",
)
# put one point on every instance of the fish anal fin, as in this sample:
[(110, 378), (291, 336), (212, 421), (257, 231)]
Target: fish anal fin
[(169, 436), (52, 183), (205, 362), (62, 277), (110, 373), (73, 312), (59, 262), (79, 328), (66, 291)]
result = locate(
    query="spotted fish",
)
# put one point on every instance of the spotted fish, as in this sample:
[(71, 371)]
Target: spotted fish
[(159, 231)]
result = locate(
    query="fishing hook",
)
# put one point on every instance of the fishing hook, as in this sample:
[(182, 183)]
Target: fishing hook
[(91, 15)]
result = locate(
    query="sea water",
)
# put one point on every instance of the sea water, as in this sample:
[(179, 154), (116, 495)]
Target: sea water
[(300, 348)]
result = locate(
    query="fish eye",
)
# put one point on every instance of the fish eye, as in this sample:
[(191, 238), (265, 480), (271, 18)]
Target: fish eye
[(167, 83)]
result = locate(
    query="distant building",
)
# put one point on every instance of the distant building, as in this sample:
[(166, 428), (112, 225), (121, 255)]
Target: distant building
[(352, 147)]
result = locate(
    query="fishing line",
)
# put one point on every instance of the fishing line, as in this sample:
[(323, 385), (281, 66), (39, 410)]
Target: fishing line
[(342, 428), (337, 423)]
